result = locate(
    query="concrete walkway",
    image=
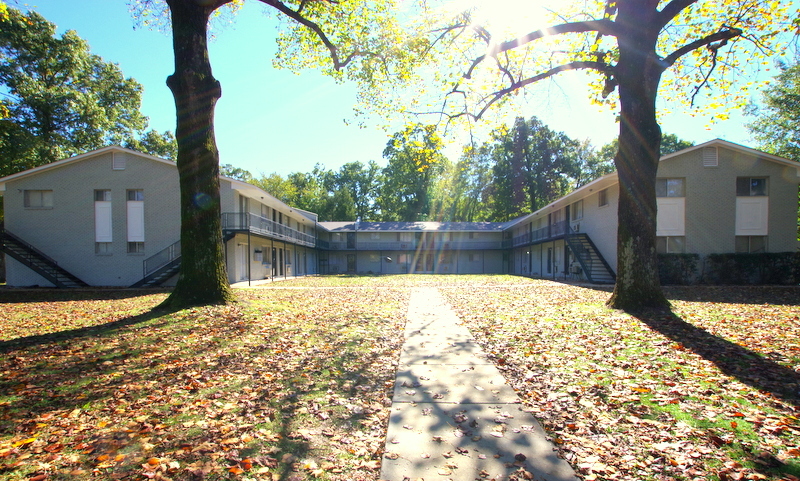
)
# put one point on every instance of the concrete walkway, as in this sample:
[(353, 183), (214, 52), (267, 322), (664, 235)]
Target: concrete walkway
[(453, 415)]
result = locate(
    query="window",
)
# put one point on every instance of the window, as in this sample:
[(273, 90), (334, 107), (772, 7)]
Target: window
[(577, 210), (135, 247), (671, 244), (471, 236), (670, 188), (102, 196), (38, 199), (374, 258), (474, 258), (103, 226), (751, 243), (135, 212), (136, 195), (375, 235), (446, 258), (102, 248), (751, 186), (602, 197)]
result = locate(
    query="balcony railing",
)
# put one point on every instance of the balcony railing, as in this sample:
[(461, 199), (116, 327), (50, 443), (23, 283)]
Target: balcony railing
[(551, 232), (255, 224), (413, 245)]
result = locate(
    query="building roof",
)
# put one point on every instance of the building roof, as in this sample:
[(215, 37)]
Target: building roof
[(413, 226), (611, 179), (78, 158)]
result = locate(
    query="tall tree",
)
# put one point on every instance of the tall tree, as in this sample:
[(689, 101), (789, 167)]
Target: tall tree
[(415, 159), (155, 143), (471, 186), (361, 181), (777, 123), (360, 34), (60, 99), (631, 44)]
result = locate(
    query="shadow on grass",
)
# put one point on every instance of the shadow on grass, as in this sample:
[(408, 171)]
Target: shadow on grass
[(100, 330), (732, 359), (778, 295), (15, 296)]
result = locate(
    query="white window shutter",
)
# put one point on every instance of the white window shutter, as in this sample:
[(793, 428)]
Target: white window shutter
[(671, 218), (102, 222), (135, 221), (752, 215)]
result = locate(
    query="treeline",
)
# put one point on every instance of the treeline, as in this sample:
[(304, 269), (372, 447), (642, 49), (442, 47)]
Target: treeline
[(520, 169)]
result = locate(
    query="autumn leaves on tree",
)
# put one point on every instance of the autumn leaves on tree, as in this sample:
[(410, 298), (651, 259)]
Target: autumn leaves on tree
[(629, 43)]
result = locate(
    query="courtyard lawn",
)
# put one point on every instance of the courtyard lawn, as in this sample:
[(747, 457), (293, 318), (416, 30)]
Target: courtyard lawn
[(287, 384), (294, 381), (711, 391)]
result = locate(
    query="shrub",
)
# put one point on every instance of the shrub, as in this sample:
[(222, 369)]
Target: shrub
[(752, 269), (678, 269)]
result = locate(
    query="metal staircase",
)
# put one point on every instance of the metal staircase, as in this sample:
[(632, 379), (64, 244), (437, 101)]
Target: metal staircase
[(593, 264), (160, 267), (37, 261)]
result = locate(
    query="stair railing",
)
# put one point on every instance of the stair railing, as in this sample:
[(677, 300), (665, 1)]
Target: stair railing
[(161, 258)]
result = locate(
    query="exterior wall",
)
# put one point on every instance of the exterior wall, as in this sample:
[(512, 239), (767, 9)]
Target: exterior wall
[(600, 222), (711, 199), (67, 231)]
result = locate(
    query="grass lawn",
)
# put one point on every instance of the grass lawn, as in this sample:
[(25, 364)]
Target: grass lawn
[(293, 382)]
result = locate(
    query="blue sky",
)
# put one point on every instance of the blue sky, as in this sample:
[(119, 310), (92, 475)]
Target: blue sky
[(271, 120)]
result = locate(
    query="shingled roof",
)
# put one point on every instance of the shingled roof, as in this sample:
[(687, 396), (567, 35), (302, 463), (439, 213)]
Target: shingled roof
[(413, 226)]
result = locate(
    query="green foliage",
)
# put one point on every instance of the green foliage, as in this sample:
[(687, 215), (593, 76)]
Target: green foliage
[(62, 99), (237, 173), (678, 269), (670, 143), (415, 160), (782, 268), (776, 127), (533, 166), (155, 143)]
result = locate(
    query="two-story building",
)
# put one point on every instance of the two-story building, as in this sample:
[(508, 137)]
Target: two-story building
[(111, 217)]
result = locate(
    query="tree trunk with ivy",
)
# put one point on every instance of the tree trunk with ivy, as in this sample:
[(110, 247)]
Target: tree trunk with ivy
[(638, 73), (202, 279)]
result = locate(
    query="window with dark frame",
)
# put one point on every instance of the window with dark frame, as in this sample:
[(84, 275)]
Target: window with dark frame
[(671, 244), (751, 244), (38, 199), (670, 188), (602, 197), (751, 187)]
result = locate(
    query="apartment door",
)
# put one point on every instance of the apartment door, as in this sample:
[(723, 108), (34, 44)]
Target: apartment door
[(241, 261)]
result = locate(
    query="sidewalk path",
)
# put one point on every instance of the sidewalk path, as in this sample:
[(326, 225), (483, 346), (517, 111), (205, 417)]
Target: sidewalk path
[(453, 415)]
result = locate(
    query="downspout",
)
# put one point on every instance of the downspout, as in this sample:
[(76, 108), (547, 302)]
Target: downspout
[(248, 256)]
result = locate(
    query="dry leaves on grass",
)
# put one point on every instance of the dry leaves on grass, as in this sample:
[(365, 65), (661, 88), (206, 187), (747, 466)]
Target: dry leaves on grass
[(284, 385), (711, 392)]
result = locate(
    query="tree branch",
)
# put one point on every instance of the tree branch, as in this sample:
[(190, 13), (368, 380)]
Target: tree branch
[(722, 36), (602, 27), (577, 65), (296, 16), (672, 10)]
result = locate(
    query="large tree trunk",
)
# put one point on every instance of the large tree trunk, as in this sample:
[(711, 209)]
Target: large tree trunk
[(202, 278), (638, 73)]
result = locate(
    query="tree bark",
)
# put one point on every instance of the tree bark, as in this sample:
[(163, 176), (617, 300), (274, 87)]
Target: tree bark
[(638, 72), (202, 279)]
